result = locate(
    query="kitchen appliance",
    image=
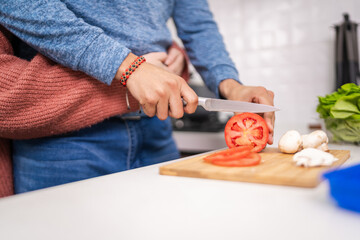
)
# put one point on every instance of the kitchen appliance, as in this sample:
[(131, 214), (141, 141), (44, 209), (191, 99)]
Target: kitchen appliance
[(346, 53)]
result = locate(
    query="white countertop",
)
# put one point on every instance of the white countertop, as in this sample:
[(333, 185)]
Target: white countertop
[(141, 204)]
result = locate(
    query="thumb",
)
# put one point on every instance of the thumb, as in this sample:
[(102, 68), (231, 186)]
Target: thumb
[(190, 97), (161, 56), (155, 56), (171, 56)]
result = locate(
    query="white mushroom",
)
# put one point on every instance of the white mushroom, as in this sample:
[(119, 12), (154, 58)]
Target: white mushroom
[(311, 157), (317, 139), (290, 142)]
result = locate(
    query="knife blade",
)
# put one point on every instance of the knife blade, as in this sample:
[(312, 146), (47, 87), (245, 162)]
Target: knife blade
[(220, 105)]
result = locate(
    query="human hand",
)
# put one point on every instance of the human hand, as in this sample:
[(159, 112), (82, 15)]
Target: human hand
[(232, 90), (157, 59), (175, 61), (159, 91)]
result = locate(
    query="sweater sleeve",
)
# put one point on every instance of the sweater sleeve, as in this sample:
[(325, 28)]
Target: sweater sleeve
[(40, 98), (54, 30), (203, 42)]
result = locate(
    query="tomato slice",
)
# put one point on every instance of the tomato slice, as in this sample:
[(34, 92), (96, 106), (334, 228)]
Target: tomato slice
[(246, 129), (229, 154), (251, 159)]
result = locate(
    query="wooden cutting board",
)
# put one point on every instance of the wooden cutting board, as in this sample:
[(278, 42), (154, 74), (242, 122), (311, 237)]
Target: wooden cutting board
[(275, 168)]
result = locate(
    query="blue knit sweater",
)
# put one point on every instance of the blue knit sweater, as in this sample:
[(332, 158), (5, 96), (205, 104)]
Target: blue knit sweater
[(96, 36)]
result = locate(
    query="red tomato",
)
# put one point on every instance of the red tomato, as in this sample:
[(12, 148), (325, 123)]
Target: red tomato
[(250, 160), (229, 154), (246, 129)]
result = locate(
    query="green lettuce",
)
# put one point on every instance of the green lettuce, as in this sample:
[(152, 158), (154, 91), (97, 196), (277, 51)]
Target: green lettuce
[(341, 113)]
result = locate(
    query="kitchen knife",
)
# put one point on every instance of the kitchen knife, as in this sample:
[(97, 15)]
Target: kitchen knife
[(220, 105)]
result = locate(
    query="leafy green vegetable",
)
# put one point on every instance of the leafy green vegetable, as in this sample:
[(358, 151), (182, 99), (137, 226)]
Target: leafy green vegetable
[(341, 112)]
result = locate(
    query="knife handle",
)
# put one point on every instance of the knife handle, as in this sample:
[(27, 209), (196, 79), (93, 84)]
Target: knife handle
[(201, 101)]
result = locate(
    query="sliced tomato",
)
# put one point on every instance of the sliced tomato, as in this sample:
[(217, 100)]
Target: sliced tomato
[(246, 129), (251, 159), (229, 154)]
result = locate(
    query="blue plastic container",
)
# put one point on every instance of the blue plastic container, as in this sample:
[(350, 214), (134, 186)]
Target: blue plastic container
[(345, 187)]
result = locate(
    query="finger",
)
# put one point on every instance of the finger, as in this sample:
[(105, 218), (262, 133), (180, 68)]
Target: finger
[(269, 118), (271, 94), (161, 56), (149, 109), (272, 133), (190, 98), (162, 108), (177, 65), (156, 58), (171, 56), (267, 97), (176, 108)]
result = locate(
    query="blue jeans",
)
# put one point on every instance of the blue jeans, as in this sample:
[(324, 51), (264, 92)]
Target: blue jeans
[(111, 146)]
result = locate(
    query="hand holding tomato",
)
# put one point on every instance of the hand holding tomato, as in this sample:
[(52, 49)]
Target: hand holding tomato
[(232, 90)]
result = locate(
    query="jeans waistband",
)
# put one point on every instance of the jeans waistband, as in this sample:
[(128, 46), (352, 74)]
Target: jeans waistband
[(133, 115)]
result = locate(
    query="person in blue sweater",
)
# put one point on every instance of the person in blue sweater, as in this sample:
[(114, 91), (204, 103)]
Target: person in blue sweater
[(102, 39)]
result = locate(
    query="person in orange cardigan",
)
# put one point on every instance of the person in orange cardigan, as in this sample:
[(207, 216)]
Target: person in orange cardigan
[(40, 98)]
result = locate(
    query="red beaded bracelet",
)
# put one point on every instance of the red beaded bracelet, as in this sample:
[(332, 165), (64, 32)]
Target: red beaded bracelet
[(125, 75)]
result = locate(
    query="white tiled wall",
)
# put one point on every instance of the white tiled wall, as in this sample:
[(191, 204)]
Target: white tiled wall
[(286, 46)]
